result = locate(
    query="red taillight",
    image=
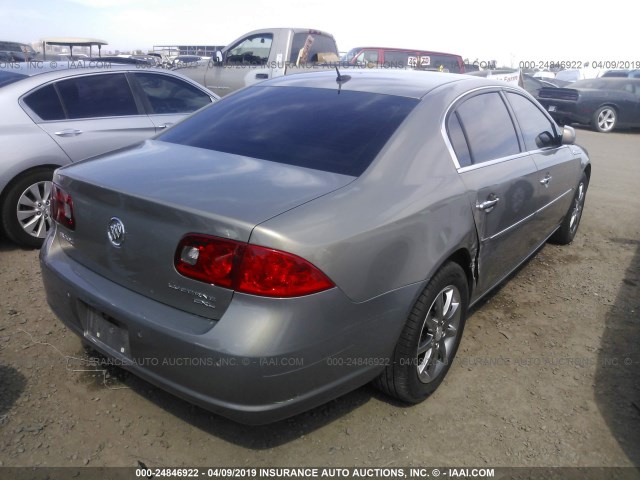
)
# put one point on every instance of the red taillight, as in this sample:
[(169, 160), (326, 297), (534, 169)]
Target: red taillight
[(248, 268), (273, 273), (208, 259), (62, 207)]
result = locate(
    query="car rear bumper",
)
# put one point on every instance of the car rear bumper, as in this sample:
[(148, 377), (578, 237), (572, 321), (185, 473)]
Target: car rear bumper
[(264, 360), (564, 111)]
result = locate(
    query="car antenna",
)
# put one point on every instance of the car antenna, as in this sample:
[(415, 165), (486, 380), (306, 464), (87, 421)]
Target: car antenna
[(341, 79)]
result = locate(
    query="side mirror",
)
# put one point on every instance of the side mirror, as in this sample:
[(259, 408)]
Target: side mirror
[(545, 139), (568, 135), (217, 58)]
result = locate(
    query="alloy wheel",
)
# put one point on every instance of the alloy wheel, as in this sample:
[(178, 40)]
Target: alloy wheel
[(33, 209), (438, 336)]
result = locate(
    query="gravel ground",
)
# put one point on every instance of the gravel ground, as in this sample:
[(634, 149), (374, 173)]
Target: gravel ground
[(547, 373)]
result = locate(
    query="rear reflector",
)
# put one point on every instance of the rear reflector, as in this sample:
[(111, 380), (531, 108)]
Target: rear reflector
[(62, 207), (247, 268)]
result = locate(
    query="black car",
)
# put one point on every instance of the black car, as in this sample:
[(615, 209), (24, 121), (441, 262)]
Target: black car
[(603, 103), (528, 82), (534, 85), (622, 73)]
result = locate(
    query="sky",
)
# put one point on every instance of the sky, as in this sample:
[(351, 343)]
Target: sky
[(507, 31)]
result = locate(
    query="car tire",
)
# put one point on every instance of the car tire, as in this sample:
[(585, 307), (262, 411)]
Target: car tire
[(569, 226), (605, 119), (429, 339), (25, 208)]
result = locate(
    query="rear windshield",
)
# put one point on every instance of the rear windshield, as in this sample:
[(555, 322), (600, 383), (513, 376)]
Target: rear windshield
[(422, 60), (9, 77), (315, 44), (323, 129)]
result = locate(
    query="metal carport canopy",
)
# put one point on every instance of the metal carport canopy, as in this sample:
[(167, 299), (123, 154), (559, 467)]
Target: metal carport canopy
[(72, 42)]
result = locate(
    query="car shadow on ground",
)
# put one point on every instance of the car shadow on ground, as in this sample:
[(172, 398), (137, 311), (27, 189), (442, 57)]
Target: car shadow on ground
[(263, 437), (7, 245), (256, 437), (617, 382), (275, 434), (12, 384)]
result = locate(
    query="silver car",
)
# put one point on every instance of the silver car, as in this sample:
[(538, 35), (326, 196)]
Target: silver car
[(55, 114), (310, 234)]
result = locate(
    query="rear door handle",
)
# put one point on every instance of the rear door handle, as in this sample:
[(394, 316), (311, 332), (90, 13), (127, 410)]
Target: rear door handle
[(262, 76), (165, 125), (488, 205), (69, 132)]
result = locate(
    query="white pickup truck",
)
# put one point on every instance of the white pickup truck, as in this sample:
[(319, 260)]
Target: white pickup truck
[(264, 54)]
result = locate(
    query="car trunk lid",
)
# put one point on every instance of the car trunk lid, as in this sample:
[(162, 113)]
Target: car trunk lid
[(160, 192), (559, 93)]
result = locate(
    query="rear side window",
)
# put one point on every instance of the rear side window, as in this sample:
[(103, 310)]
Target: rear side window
[(45, 103), (458, 140), (308, 46), (104, 95), (323, 129), (488, 127), (171, 95)]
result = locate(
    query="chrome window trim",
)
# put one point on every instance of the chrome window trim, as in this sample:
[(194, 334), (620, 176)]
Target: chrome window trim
[(445, 135), (545, 150), (443, 127), (476, 166), (72, 76)]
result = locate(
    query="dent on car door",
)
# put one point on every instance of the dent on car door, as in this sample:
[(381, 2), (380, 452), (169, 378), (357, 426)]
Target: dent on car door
[(91, 114), (559, 168), (168, 99), (501, 184)]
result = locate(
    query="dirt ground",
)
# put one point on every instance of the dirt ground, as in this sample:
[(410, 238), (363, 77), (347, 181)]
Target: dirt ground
[(547, 373)]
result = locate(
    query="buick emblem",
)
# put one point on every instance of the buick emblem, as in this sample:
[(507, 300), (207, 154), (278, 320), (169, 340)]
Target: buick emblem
[(116, 232)]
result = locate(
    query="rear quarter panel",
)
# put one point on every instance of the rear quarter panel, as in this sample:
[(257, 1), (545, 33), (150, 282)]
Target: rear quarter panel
[(392, 227)]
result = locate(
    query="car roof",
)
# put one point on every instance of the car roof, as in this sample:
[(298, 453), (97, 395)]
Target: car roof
[(403, 83), (62, 68)]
